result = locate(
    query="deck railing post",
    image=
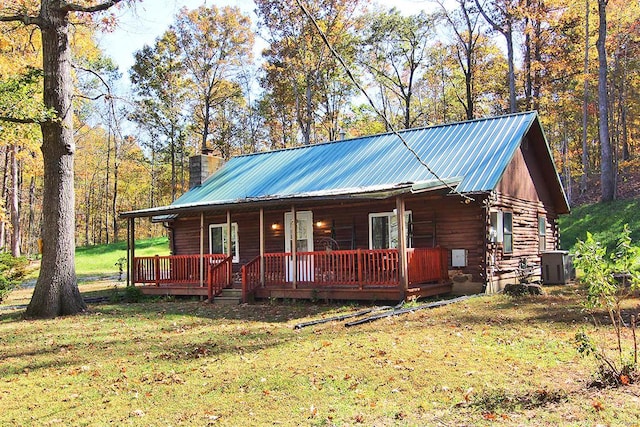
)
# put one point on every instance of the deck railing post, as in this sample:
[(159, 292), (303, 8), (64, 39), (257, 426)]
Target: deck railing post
[(262, 250), (243, 272), (210, 282), (156, 269), (294, 248), (360, 266)]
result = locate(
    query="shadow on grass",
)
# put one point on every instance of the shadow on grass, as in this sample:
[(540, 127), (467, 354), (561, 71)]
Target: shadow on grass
[(265, 312), (154, 331), (560, 305), (508, 401)]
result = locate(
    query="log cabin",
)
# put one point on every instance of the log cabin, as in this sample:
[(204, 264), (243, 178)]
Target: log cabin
[(449, 208)]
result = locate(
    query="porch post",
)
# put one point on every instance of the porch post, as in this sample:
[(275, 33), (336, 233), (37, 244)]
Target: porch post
[(402, 245), (294, 248), (130, 249), (229, 247), (133, 250), (202, 248), (262, 247)]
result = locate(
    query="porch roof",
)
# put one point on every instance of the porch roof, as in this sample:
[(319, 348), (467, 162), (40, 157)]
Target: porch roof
[(470, 156)]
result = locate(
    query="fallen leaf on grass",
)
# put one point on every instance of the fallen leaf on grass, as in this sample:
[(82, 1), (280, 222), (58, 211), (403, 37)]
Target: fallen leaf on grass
[(489, 416), (313, 411), (400, 416), (467, 394), (597, 405), (137, 413)]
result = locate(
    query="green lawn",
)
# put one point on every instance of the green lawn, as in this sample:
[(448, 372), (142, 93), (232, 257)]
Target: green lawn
[(603, 220), (486, 361), (101, 260)]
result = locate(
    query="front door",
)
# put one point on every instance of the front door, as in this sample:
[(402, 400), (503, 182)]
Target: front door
[(304, 240)]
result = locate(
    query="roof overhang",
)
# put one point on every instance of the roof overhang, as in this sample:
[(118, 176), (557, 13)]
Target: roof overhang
[(167, 213)]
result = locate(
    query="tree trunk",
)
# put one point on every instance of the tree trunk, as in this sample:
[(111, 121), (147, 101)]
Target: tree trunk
[(114, 200), (468, 83), (508, 34), (585, 106), (174, 190), (56, 292), (31, 233), (87, 211), (528, 81), (607, 174), (308, 119), (106, 176), (5, 197), (15, 209)]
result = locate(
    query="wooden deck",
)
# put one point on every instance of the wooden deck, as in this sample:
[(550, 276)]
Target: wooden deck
[(371, 275), (327, 293), (339, 294)]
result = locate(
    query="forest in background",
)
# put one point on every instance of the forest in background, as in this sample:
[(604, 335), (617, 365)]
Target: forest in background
[(199, 87)]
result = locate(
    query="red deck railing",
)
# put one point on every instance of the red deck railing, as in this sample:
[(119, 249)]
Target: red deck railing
[(172, 269), (426, 265), (356, 269), (250, 278), (219, 277)]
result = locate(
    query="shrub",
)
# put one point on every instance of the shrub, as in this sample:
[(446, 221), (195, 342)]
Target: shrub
[(132, 294), (610, 280), (12, 271)]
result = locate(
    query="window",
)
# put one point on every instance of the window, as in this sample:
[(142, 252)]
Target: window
[(218, 240), (542, 233), (507, 232), (495, 230), (383, 230)]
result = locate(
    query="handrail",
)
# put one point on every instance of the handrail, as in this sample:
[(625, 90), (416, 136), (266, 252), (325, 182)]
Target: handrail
[(250, 273), (219, 277)]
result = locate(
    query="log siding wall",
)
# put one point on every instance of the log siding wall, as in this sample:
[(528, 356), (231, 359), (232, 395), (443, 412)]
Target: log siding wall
[(436, 221), (524, 191)]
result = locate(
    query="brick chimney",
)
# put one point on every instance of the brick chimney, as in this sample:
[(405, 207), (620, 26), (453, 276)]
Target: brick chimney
[(202, 166)]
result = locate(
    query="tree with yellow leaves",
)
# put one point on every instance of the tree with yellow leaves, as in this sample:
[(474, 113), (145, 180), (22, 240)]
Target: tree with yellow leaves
[(56, 292)]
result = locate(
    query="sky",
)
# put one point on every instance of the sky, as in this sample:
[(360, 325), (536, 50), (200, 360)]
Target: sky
[(148, 19)]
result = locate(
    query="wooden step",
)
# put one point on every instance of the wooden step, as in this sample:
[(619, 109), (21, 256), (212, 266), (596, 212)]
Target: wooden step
[(228, 296), (226, 300), (231, 292)]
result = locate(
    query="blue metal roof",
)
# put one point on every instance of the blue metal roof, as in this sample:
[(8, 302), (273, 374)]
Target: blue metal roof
[(472, 154)]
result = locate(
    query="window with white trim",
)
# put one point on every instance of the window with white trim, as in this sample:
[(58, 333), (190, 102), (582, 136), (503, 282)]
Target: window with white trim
[(507, 232), (218, 240), (495, 229), (542, 233), (383, 230)]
